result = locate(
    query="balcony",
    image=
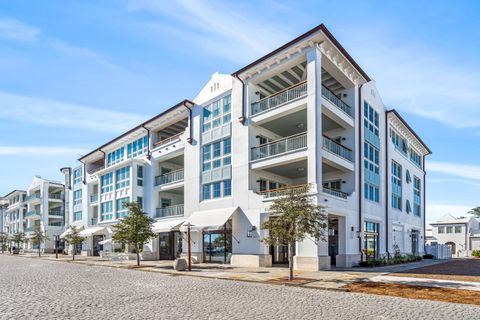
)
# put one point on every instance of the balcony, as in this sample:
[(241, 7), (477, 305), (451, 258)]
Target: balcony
[(55, 212), (168, 140), (32, 197), (280, 98), (56, 196), (281, 146), (337, 102), (273, 193), (336, 148), (172, 211), (335, 193), (32, 213), (170, 177)]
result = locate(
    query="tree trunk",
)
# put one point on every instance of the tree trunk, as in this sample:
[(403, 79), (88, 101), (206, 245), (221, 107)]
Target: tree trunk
[(290, 260), (138, 255), (39, 250), (73, 255)]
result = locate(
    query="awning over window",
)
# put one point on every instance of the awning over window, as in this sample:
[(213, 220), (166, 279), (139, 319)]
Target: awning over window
[(210, 219), (91, 231), (168, 225), (105, 241)]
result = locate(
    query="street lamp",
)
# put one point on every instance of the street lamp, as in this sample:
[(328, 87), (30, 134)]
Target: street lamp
[(189, 251)]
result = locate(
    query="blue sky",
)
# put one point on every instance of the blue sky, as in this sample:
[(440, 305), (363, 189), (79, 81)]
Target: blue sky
[(76, 74)]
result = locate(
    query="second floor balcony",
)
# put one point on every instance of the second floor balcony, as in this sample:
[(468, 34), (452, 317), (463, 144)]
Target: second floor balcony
[(171, 211), (55, 212), (170, 177), (280, 146)]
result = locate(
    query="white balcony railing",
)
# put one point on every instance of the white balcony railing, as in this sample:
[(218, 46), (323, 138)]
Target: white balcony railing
[(335, 193), (281, 146), (172, 211), (33, 196), (32, 213), (338, 149), (277, 99), (168, 140), (170, 177), (272, 193), (55, 212), (336, 101), (57, 196)]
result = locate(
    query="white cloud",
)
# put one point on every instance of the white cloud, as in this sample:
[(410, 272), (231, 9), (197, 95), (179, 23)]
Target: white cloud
[(51, 113), (17, 30), (465, 171), (41, 151), (437, 210)]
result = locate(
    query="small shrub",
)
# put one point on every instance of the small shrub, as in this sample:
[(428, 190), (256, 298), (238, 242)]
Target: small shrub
[(476, 253), (428, 256)]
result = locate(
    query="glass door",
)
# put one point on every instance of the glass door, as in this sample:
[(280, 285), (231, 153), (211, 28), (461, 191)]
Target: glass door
[(217, 246), (279, 254), (165, 246)]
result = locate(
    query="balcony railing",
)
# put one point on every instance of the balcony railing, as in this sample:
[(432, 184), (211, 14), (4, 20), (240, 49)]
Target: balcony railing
[(33, 196), (170, 177), (55, 196), (336, 101), (282, 191), (335, 193), (172, 211), (276, 100), (94, 198), (338, 149), (32, 213), (167, 140), (281, 146), (55, 212)]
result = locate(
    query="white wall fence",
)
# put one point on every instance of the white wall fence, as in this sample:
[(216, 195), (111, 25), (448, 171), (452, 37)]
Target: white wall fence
[(439, 251)]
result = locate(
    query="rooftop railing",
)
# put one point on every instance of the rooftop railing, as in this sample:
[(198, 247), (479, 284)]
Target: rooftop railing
[(171, 211), (338, 149), (277, 99), (280, 146), (170, 177), (336, 101)]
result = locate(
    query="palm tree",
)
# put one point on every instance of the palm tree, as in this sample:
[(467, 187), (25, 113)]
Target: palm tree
[(475, 212)]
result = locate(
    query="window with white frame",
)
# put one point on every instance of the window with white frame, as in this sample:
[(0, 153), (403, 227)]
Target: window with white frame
[(77, 216), (417, 198), (77, 176), (399, 142), (106, 183), (458, 229), (441, 229), (137, 147), (217, 114), (449, 229), (106, 211), (415, 158), (216, 154), (217, 189), (123, 177), (77, 197), (371, 119), (371, 161), (140, 176), (140, 202), (396, 185), (115, 156), (122, 211)]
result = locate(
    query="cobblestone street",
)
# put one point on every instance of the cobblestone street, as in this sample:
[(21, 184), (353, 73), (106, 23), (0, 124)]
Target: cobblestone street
[(39, 289)]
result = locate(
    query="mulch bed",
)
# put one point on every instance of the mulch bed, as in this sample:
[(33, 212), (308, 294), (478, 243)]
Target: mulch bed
[(416, 292), (295, 281), (458, 270)]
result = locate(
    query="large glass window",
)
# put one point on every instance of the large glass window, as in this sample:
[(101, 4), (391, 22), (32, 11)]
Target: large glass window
[(122, 211), (217, 189), (217, 244), (77, 176), (458, 229), (77, 216), (216, 154), (106, 211), (106, 183), (371, 119), (123, 177), (415, 158), (399, 142), (441, 229), (371, 239), (115, 156), (417, 198), (137, 147), (372, 172), (396, 186), (217, 114), (140, 176), (77, 197)]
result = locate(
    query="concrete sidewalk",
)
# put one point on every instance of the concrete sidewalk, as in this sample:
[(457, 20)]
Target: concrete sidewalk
[(335, 279)]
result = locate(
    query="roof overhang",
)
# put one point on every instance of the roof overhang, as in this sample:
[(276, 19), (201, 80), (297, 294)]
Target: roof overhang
[(14, 191), (400, 124)]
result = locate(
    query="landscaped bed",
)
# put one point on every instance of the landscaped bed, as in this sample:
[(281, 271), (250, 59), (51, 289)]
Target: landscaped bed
[(416, 292)]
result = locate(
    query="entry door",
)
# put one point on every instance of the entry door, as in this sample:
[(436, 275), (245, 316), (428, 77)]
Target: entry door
[(333, 241), (279, 254), (96, 246), (217, 246), (165, 246), (414, 242)]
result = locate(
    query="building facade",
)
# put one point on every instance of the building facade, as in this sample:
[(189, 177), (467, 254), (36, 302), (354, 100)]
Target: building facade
[(305, 114), (14, 212), (462, 234)]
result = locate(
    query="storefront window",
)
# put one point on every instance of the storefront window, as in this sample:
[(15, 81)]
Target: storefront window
[(217, 244), (371, 240)]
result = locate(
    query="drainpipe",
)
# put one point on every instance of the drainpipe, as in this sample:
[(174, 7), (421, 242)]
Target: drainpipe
[(243, 118), (360, 166), (386, 187), (424, 204), (148, 144), (190, 139)]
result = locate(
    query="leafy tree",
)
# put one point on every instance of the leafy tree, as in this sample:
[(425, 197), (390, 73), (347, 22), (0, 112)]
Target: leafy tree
[(3, 239), (295, 215), (18, 238), (73, 237), (135, 229), (38, 237), (475, 212)]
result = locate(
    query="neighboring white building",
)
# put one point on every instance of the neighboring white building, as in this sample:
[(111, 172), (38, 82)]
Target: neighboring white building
[(45, 201), (462, 234), (13, 215), (306, 113)]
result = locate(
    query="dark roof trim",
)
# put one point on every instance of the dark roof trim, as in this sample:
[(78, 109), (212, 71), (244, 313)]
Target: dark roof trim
[(13, 192), (409, 128), (326, 32), (185, 103)]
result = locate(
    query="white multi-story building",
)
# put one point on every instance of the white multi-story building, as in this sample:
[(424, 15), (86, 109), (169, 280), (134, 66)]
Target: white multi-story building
[(45, 201), (305, 114), (462, 234), (13, 214)]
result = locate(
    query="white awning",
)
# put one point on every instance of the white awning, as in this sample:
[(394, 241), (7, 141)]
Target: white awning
[(210, 219), (166, 226), (105, 241), (65, 233), (91, 231)]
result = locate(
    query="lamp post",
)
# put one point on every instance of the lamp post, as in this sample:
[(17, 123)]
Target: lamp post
[(189, 251)]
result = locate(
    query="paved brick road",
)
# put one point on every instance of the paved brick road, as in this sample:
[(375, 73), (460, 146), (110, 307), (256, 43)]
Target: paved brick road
[(39, 289)]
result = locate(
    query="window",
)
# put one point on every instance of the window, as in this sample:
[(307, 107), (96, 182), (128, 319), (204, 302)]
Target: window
[(140, 202), (217, 189), (370, 239), (139, 176), (458, 229), (408, 177), (417, 198), (77, 197), (77, 176), (115, 156), (123, 177), (441, 229), (396, 186), (106, 211), (77, 216), (216, 155), (399, 142), (137, 147), (415, 158), (371, 164), (217, 114), (408, 207), (371, 119), (371, 192), (449, 229), (333, 185), (106, 183), (122, 211)]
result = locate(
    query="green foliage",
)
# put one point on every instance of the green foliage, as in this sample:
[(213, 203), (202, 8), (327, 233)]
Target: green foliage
[(3, 240), (38, 236), (384, 260), (135, 229), (428, 256), (18, 238), (476, 253), (73, 237), (475, 212)]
